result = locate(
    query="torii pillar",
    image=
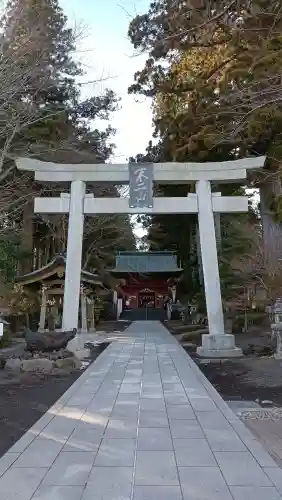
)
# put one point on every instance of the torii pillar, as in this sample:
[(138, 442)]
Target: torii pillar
[(217, 339)]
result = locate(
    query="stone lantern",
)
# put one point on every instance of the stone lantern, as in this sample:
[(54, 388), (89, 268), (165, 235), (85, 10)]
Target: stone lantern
[(277, 311)]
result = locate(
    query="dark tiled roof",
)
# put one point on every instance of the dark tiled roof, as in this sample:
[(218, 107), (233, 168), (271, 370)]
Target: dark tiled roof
[(59, 262), (146, 262)]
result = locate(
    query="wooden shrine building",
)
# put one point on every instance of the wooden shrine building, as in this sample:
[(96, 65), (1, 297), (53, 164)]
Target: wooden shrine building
[(147, 281), (49, 282)]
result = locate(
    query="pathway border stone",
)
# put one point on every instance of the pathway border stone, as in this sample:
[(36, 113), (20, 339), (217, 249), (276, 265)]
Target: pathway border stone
[(141, 423)]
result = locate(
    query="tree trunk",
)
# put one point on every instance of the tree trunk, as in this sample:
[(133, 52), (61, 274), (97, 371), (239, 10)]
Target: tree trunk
[(271, 230), (27, 238)]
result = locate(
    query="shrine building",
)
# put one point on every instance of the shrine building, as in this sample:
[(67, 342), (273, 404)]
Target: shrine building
[(147, 280), (49, 281)]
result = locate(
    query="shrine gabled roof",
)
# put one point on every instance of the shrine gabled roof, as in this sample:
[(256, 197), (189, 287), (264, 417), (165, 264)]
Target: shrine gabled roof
[(146, 262), (57, 266)]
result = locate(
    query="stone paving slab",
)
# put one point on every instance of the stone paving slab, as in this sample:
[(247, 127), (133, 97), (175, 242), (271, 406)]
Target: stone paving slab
[(141, 423)]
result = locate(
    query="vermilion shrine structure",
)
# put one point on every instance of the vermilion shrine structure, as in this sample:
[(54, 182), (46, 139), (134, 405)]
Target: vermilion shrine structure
[(147, 279), (140, 177)]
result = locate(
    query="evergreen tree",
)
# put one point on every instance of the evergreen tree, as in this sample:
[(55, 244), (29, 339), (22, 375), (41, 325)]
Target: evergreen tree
[(55, 122), (43, 116), (191, 47), (220, 86)]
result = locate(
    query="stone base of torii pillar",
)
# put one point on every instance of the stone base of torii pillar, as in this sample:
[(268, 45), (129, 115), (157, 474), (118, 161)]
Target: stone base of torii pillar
[(219, 346)]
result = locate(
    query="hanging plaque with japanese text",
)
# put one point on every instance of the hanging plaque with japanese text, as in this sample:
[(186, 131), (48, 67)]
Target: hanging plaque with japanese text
[(140, 185)]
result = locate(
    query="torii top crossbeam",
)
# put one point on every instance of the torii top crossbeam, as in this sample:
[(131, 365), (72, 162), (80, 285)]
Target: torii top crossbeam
[(163, 173)]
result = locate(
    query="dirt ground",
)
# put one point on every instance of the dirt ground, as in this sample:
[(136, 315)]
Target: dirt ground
[(25, 397), (246, 379), (256, 376)]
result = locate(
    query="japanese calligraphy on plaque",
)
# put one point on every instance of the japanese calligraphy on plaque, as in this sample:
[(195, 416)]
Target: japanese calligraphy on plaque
[(140, 185)]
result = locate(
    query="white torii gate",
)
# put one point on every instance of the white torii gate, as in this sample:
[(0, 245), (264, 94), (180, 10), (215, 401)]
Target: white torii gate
[(204, 202)]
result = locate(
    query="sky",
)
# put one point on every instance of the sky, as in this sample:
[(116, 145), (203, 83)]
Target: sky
[(107, 54)]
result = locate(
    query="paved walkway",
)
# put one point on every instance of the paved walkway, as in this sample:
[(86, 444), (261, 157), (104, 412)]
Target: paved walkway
[(141, 423)]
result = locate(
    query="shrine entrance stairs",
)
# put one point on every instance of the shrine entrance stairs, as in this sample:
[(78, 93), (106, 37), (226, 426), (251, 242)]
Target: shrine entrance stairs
[(143, 314)]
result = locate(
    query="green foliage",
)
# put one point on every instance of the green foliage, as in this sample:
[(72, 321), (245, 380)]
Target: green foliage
[(220, 86), (23, 301), (10, 254)]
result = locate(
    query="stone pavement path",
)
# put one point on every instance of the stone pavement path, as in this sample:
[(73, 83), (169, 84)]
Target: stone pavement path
[(141, 423)]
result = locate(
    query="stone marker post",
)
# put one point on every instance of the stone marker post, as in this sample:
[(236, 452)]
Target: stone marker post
[(83, 310), (43, 309)]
